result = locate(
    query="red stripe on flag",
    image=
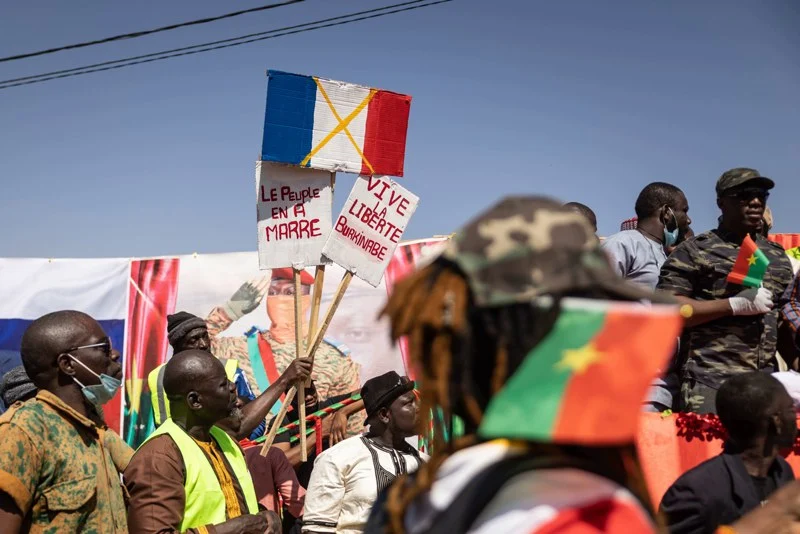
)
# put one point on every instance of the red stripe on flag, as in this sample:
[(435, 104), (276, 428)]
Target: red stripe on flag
[(385, 134), (607, 515), (631, 348), (742, 265)]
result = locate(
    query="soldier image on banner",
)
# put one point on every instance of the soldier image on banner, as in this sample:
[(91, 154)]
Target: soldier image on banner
[(264, 354)]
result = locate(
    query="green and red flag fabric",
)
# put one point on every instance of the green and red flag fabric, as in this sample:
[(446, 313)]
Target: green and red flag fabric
[(751, 265), (585, 381)]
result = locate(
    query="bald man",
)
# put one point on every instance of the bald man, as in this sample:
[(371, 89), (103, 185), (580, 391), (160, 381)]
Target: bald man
[(190, 475), (59, 462)]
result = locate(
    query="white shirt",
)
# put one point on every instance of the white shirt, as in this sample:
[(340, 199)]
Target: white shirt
[(346, 480), (635, 257)]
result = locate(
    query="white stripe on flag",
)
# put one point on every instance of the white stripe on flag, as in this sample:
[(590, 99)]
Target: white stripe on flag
[(345, 98), (32, 287)]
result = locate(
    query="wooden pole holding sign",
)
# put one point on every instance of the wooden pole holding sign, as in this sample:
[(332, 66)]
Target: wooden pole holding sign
[(316, 302), (337, 299), (276, 423), (299, 351)]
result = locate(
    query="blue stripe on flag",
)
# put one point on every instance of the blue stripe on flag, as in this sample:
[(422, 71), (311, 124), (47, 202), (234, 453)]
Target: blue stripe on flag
[(289, 117), (11, 331)]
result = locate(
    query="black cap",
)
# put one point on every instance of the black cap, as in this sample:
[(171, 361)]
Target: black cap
[(382, 390)]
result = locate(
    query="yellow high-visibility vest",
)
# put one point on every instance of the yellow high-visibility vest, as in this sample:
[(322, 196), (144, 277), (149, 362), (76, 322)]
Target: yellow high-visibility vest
[(205, 501)]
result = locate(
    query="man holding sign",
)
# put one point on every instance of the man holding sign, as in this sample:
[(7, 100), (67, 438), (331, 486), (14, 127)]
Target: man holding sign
[(730, 328), (263, 355)]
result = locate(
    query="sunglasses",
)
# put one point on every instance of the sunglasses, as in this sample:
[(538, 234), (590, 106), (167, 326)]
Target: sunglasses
[(105, 346), (746, 195)]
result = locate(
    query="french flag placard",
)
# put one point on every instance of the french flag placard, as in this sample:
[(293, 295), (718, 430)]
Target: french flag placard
[(32, 287), (334, 126)]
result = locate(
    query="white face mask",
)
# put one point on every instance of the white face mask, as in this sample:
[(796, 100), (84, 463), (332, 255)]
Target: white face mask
[(98, 394)]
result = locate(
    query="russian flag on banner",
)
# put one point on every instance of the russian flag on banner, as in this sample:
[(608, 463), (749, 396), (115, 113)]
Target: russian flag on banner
[(32, 287), (334, 126)]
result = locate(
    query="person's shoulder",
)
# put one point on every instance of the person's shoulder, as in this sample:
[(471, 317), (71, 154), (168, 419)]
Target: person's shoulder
[(344, 448), (31, 416), (161, 445), (703, 474), (762, 241), (625, 237), (336, 347)]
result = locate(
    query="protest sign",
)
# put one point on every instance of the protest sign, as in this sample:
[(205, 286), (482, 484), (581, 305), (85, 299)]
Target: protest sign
[(334, 126), (294, 215), (370, 226)]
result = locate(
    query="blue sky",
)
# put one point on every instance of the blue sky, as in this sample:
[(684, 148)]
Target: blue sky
[(581, 100)]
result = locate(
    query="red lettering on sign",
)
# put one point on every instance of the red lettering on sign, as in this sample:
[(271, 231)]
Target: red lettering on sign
[(270, 196)]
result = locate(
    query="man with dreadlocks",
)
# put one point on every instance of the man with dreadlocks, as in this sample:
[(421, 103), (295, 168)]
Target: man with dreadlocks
[(482, 321)]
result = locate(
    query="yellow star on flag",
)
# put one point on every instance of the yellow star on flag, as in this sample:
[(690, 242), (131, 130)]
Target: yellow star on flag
[(578, 360), (752, 260)]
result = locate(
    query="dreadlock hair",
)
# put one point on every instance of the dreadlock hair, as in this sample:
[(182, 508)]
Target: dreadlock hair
[(463, 355)]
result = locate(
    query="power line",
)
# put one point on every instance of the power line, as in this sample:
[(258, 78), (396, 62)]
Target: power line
[(149, 32), (236, 41), (208, 44)]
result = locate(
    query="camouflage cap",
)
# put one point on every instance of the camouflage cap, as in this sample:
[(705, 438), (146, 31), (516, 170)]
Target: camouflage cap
[(527, 247), (739, 176)]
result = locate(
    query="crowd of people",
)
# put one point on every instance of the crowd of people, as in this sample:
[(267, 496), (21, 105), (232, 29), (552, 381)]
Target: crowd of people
[(474, 316)]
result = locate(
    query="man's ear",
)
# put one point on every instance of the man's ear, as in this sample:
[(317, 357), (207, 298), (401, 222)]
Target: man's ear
[(194, 400), (383, 415), (719, 203), (65, 364)]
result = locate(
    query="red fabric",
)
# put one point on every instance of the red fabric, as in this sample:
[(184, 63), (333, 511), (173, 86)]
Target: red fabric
[(403, 263), (152, 294), (318, 434), (287, 273), (787, 241), (665, 455), (274, 480), (742, 265), (641, 344), (385, 134), (607, 515), (265, 350)]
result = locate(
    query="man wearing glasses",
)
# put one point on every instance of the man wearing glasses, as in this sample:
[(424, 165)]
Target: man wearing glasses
[(731, 329), (59, 462)]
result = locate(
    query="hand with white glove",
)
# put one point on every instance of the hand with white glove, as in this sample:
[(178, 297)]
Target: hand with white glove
[(247, 298), (753, 301)]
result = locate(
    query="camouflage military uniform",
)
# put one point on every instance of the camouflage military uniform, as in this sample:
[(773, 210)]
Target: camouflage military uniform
[(61, 469), (333, 374), (711, 352)]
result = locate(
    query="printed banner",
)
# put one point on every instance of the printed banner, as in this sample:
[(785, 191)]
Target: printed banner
[(294, 215), (334, 126), (32, 287), (370, 226), (152, 292)]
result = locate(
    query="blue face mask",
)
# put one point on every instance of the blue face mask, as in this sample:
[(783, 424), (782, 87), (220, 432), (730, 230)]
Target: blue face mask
[(98, 394), (670, 238)]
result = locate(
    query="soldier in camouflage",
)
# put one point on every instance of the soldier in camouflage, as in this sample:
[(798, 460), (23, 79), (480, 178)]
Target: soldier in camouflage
[(263, 355), (732, 329)]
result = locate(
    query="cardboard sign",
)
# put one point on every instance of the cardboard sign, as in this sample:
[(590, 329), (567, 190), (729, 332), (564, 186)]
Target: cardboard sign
[(294, 215), (370, 226), (334, 126)]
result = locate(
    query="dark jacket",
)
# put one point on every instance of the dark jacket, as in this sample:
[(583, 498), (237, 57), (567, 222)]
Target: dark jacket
[(717, 492)]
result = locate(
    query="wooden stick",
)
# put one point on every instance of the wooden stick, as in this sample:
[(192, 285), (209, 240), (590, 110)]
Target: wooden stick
[(276, 423), (337, 299), (316, 301), (299, 352)]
